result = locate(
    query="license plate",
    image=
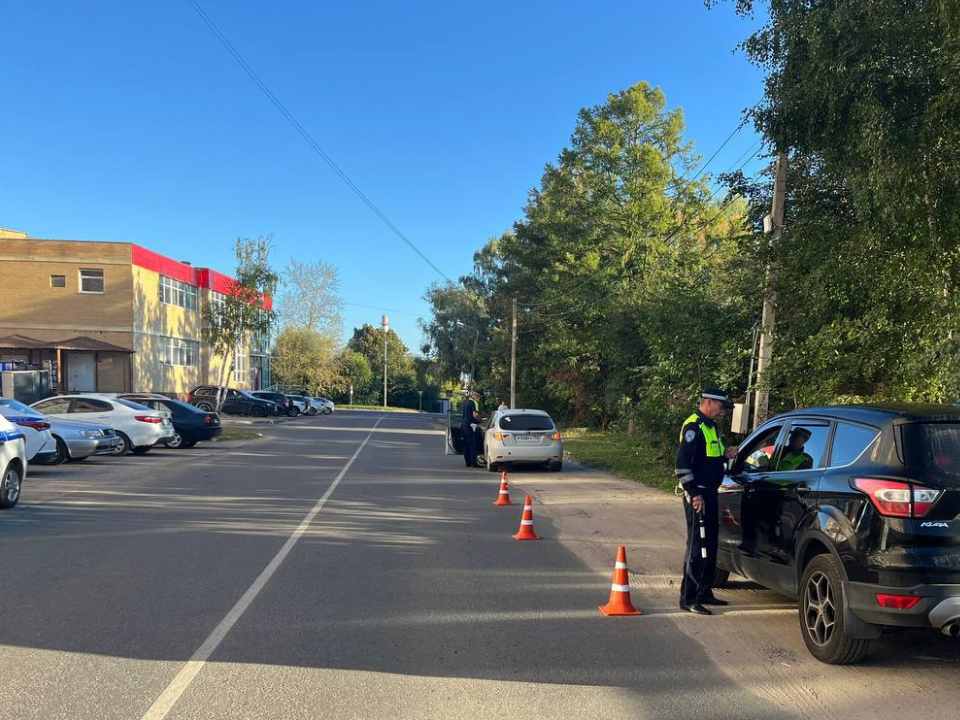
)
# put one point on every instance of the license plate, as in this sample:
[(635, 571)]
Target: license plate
[(527, 438)]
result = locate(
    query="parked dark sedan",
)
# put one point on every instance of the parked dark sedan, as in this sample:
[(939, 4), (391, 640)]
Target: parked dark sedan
[(853, 510), (235, 402), (191, 424), (284, 406)]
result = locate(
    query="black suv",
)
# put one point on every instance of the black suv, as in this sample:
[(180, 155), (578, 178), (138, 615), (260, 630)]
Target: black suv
[(235, 402), (852, 510)]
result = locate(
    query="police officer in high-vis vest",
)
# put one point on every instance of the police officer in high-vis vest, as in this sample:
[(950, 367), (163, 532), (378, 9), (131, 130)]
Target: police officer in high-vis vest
[(701, 461)]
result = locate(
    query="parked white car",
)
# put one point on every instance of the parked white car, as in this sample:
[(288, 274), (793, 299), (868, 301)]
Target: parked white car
[(13, 463), (41, 445), (139, 427), (75, 440), (327, 406), (522, 436)]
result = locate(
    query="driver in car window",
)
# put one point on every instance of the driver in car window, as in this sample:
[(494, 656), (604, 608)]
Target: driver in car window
[(794, 458)]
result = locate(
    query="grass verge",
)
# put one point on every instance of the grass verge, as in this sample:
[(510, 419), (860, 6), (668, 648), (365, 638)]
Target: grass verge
[(376, 407), (631, 456), (238, 433)]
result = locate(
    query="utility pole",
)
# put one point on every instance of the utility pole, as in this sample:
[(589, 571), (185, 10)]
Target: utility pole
[(513, 359), (773, 226), (386, 327)]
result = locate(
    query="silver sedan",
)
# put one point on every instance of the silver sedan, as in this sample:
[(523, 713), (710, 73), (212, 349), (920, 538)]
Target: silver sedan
[(522, 436), (76, 440)]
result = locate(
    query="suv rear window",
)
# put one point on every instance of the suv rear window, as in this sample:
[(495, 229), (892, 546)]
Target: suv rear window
[(526, 422), (932, 449)]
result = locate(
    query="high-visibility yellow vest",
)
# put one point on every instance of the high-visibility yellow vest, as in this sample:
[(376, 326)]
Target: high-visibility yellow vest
[(712, 441)]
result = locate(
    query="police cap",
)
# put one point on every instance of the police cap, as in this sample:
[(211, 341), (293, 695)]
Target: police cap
[(713, 393)]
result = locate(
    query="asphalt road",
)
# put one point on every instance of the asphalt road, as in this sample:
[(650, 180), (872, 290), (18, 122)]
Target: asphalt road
[(187, 584)]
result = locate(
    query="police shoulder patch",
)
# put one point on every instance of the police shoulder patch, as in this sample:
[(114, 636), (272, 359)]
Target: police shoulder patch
[(689, 435)]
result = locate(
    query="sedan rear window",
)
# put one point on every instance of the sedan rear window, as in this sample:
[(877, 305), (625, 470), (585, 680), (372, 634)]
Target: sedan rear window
[(526, 422), (131, 404), (932, 449)]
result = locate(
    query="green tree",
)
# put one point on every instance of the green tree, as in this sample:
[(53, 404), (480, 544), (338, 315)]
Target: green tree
[(243, 312), (613, 238), (305, 358), (368, 342), (354, 371), (866, 98)]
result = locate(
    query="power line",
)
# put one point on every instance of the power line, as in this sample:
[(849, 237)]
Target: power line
[(309, 139), (389, 310)]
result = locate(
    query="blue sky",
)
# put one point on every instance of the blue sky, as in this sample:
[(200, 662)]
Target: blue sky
[(130, 122)]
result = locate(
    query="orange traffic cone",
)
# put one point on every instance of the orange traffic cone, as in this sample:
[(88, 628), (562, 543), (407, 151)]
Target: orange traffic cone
[(504, 497), (619, 603), (526, 524)]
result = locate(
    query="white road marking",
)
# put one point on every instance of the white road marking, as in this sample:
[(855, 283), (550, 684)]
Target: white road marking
[(172, 693)]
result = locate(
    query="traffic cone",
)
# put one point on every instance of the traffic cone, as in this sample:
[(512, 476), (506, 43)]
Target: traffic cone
[(619, 603), (504, 497), (726, 517), (526, 524)]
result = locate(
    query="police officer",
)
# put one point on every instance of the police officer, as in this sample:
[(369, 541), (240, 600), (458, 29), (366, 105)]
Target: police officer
[(471, 417), (701, 461)]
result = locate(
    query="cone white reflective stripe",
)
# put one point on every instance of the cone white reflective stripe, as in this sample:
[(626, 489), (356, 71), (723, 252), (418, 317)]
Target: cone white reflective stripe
[(620, 588), (526, 522), (620, 566), (504, 492), (703, 553)]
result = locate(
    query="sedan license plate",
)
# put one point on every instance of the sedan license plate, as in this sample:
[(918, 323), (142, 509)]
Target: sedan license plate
[(527, 438)]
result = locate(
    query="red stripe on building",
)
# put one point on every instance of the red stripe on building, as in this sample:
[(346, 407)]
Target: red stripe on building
[(199, 277), (141, 257)]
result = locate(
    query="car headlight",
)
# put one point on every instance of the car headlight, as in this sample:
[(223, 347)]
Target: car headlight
[(90, 433)]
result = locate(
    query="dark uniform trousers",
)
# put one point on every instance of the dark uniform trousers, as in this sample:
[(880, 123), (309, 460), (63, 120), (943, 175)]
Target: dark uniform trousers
[(469, 444), (698, 573)]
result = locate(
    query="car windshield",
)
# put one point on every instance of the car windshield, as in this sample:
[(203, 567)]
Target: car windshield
[(18, 406), (526, 422), (932, 449)]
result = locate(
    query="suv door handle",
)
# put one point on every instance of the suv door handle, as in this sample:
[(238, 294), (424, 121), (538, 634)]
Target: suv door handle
[(803, 490)]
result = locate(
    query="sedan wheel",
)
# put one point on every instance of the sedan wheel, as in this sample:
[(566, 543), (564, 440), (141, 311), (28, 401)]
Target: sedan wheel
[(62, 453), (124, 447), (10, 486), (175, 442)]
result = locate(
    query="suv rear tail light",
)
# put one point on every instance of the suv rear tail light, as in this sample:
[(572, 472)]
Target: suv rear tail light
[(893, 498), (38, 425), (148, 419), (555, 436), (897, 602)]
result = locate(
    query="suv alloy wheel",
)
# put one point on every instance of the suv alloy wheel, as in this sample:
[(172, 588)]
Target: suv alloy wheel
[(821, 614)]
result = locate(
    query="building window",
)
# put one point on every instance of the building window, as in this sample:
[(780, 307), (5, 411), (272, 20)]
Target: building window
[(241, 365), (91, 281), (175, 351), (174, 292), (58, 281)]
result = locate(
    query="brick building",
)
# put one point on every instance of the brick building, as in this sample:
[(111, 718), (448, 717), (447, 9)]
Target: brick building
[(113, 317)]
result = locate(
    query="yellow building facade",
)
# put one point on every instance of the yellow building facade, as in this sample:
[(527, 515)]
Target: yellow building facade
[(112, 317)]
